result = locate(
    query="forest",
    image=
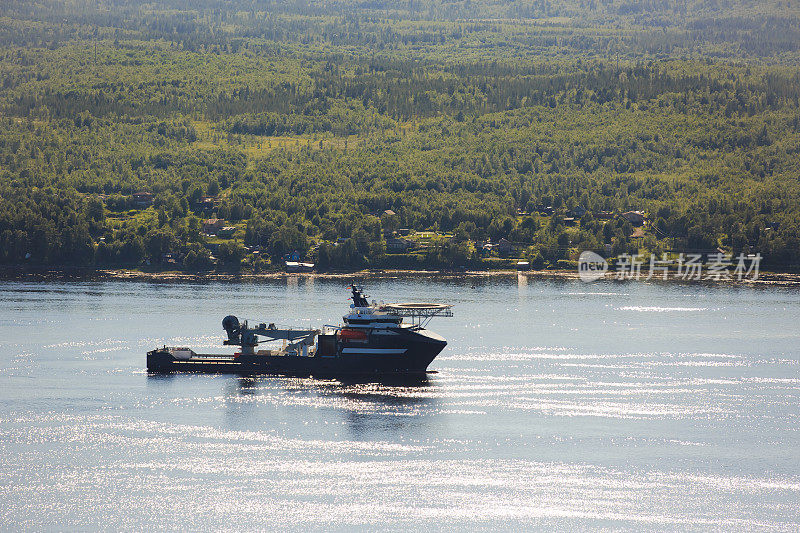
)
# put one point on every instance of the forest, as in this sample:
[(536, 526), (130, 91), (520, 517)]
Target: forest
[(396, 134)]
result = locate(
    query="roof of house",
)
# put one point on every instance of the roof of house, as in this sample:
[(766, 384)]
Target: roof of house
[(503, 244)]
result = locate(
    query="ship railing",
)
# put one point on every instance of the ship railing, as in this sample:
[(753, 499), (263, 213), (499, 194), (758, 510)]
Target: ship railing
[(420, 313), (212, 356), (425, 310)]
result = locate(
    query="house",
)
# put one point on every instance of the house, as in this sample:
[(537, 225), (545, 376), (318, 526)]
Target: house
[(636, 218), (226, 232), (389, 213), (212, 225), (703, 255), (207, 203), (503, 246), (523, 265), (404, 231), (569, 221), (578, 211), (398, 245), (604, 215), (170, 258), (142, 199), (296, 266), (545, 210)]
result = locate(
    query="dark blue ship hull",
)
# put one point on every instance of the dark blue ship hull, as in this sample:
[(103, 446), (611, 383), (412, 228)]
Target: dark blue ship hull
[(399, 351)]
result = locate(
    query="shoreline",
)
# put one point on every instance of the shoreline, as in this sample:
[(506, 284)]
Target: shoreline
[(122, 274)]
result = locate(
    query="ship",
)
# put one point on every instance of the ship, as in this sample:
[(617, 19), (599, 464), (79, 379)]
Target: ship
[(385, 339)]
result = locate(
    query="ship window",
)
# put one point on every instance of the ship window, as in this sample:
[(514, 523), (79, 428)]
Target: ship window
[(373, 321)]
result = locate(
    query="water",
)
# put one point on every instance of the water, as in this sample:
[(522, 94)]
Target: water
[(557, 405)]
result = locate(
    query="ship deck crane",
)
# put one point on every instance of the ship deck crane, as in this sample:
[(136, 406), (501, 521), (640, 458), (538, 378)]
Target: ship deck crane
[(240, 334)]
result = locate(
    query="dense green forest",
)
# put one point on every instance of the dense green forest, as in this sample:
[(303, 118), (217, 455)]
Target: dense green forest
[(396, 134)]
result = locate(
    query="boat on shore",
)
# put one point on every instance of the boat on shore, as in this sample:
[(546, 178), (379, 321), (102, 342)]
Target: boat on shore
[(373, 339)]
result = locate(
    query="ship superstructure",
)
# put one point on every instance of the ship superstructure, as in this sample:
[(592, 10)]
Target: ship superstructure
[(373, 338)]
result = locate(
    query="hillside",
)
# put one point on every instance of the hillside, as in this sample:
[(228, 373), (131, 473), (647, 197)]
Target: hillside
[(299, 126)]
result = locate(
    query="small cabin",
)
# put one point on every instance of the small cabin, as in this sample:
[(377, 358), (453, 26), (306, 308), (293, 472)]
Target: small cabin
[(297, 266), (212, 225), (398, 245), (226, 232), (207, 203), (170, 258), (578, 211), (503, 246), (636, 218), (142, 199)]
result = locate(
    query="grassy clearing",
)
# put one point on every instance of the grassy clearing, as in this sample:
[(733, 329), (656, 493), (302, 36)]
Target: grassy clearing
[(209, 137)]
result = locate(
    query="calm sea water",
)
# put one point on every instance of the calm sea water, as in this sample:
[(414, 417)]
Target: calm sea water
[(557, 405)]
